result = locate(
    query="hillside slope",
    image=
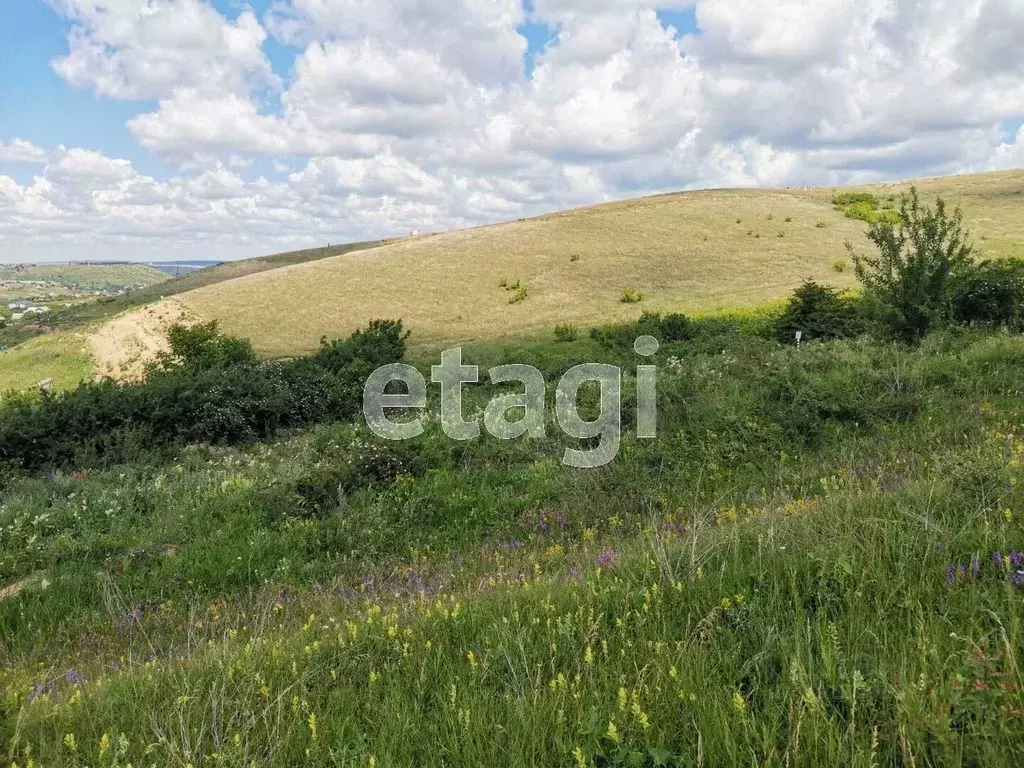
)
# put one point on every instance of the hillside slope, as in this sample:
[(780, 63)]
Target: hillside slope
[(695, 251)]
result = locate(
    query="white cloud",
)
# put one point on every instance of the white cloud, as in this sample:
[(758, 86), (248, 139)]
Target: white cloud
[(128, 49), (403, 114), (22, 151)]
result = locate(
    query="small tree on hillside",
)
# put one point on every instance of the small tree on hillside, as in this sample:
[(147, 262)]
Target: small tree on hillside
[(920, 258)]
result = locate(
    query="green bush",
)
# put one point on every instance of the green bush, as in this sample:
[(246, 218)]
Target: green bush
[(207, 390), (992, 294), (921, 259), (672, 327), (566, 332), (631, 295), (202, 347), (821, 312)]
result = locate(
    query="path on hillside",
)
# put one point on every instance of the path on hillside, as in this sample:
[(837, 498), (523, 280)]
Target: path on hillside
[(122, 347)]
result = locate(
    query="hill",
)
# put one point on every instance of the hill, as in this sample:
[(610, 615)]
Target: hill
[(32, 280), (693, 252)]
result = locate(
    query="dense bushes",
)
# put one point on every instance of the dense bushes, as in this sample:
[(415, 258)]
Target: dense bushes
[(992, 294), (208, 388), (673, 326)]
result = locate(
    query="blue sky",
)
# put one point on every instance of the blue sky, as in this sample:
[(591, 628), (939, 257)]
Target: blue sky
[(231, 150), (38, 104)]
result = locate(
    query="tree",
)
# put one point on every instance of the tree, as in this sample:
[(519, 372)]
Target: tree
[(920, 259), (818, 312)]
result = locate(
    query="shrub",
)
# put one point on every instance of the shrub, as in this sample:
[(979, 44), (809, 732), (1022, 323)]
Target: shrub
[(630, 295), (574, 257), (821, 225), (566, 332), (207, 389), (920, 260), (820, 312), (203, 347), (674, 326), (667, 328), (992, 294), (520, 294), (840, 265)]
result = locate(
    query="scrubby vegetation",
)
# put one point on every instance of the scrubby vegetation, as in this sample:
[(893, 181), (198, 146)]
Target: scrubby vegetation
[(864, 206), (819, 560), (207, 388)]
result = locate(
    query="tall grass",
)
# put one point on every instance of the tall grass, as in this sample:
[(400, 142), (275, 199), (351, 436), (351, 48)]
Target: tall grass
[(814, 564)]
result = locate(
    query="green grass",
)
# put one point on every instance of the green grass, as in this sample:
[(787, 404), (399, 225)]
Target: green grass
[(765, 583), (63, 357)]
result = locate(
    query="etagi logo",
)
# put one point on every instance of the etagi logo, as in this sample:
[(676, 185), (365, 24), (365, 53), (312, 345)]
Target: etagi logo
[(451, 374)]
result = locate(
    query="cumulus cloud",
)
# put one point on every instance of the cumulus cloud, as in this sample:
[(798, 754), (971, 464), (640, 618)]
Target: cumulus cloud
[(390, 115)]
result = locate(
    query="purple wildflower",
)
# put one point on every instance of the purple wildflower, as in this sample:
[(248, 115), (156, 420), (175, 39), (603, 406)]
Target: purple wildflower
[(1017, 559), (941, 546), (1018, 578), (950, 573), (997, 560), (74, 678), (574, 574), (609, 558)]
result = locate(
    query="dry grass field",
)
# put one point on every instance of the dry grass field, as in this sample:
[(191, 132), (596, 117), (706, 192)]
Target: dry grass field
[(692, 252)]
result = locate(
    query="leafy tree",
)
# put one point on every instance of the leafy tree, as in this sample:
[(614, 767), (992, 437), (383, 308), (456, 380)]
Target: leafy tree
[(920, 259)]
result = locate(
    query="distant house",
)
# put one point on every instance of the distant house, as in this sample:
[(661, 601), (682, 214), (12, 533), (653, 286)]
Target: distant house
[(20, 306)]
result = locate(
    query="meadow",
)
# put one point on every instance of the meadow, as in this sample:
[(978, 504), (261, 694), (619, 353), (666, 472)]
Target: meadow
[(817, 562), (690, 252)]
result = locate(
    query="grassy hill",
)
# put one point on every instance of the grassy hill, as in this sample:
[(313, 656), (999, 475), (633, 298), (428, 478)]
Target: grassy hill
[(83, 277), (695, 251), (99, 310)]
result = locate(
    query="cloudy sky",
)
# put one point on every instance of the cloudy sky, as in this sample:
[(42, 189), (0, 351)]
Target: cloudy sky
[(219, 129)]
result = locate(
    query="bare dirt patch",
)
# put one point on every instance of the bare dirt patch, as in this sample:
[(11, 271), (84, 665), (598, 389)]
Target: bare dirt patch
[(122, 347)]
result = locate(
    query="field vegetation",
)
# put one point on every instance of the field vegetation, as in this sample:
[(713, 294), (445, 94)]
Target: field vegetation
[(819, 561), (695, 252)]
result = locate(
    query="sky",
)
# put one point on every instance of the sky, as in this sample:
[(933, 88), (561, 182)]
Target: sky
[(222, 129)]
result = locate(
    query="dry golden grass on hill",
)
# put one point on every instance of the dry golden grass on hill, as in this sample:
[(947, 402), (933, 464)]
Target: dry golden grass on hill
[(693, 252)]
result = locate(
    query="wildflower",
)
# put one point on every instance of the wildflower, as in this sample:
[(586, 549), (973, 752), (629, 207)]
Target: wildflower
[(588, 655), (738, 702), (950, 573), (609, 558), (997, 560), (71, 742), (311, 722), (613, 732), (581, 761), (976, 564), (471, 657)]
